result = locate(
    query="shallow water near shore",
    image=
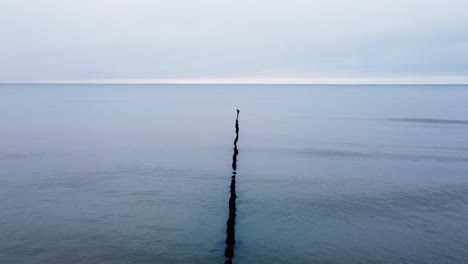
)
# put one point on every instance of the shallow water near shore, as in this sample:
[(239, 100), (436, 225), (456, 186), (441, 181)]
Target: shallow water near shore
[(325, 173)]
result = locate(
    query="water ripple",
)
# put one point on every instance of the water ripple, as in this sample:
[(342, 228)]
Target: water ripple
[(352, 154), (430, 121)]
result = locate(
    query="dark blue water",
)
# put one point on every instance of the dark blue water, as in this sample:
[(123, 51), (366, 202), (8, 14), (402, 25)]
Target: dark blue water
[(325, 174)]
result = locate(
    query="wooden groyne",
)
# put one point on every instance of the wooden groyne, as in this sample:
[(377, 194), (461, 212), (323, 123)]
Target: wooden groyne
[(231, 222)]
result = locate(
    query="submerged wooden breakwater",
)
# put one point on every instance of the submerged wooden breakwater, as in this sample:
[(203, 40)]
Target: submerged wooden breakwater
[(231, 222)]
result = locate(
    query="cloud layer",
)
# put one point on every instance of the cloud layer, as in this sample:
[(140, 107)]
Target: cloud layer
[(208, 40)]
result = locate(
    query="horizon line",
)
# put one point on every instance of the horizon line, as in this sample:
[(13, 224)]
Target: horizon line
[(325, 80), (227, 83)]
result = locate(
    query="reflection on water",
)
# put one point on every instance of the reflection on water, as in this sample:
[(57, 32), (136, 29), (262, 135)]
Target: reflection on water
[(137, 174)]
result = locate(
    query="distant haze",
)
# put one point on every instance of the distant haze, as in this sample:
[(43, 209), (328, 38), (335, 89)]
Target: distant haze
[(224, 41)]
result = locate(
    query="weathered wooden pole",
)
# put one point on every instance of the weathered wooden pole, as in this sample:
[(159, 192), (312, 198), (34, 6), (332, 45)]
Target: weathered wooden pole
[(231, 222)]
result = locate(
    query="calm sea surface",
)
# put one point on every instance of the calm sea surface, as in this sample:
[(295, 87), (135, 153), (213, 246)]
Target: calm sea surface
[(325, 174)]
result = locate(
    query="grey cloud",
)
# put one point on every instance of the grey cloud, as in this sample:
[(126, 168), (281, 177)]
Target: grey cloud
[(103, 39)]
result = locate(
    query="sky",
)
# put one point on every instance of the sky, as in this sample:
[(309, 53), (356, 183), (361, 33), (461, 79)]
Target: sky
[(224, 41)]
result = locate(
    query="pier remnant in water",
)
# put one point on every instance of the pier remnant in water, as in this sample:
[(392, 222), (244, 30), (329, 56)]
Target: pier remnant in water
[(231, 222)]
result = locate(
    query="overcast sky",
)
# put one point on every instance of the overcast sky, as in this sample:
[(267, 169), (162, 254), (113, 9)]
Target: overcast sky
[(297, 41)]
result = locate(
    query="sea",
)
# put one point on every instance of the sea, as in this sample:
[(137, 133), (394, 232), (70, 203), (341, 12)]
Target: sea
[(126, 173)]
